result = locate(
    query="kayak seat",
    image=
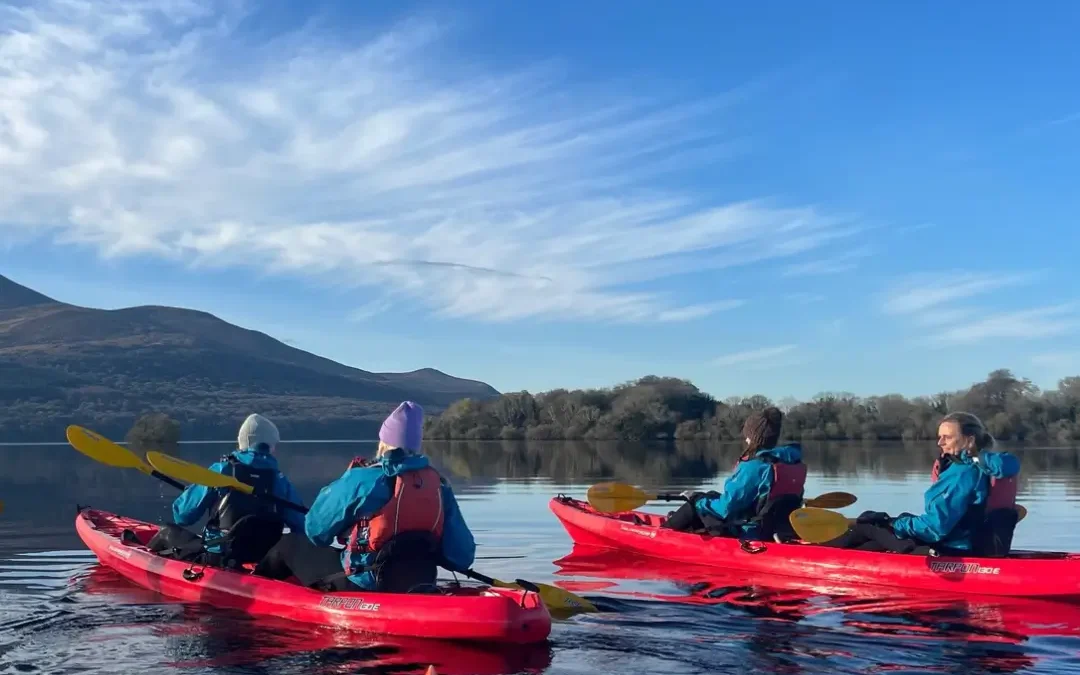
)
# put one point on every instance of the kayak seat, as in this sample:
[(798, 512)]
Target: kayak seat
[(993, 537), (407, 563), (774, 520)]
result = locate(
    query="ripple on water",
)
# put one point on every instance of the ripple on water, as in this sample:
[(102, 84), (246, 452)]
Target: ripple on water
[(60, 612)]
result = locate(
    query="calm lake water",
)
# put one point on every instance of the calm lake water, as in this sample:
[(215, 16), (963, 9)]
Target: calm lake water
[(60, 612)]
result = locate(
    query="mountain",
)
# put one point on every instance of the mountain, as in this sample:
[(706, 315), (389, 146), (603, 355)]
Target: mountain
[(63, 364)]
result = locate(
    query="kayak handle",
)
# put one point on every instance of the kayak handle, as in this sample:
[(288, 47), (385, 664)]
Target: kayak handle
[(527, 585)]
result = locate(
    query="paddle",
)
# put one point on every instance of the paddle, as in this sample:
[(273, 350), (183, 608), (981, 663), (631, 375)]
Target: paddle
[(103, 450), (552, 596), (619, 497), (816, 525), (200, 475)]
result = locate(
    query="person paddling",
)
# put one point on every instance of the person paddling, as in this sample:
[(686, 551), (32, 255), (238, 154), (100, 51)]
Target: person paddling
[(399, 518), (969, 506), (765, 487), (241, 528)]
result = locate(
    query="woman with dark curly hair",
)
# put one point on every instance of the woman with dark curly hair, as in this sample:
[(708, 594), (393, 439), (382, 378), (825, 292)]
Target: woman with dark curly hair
[(762, 491)]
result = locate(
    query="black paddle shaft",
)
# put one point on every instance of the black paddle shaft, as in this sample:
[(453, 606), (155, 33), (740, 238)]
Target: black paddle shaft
[(167, 479), (672, 497), (527, 585), (278, 500)]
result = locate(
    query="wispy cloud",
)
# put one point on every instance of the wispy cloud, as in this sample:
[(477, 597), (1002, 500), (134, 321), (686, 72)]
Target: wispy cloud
[(753, 355), (370, 309), (845, 262), (923, 292), (161, 129), (940, 304), (1040, 322), (1047, 125), (697, 311), (803, 298), (1059, 361)]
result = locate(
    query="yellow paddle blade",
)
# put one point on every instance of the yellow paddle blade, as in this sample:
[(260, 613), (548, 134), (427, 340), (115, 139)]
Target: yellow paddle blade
[(816, 525), (555, 598), (617, 491), (1021, 512), (103, 450), (193, 473), (832, 500), (616, 497)]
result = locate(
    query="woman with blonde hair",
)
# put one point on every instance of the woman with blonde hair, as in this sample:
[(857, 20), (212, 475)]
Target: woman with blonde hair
[(969, 506)]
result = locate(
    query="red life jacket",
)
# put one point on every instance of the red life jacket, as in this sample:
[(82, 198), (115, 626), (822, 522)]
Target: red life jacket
[(1002, 494), (788, 479), (415, 506)]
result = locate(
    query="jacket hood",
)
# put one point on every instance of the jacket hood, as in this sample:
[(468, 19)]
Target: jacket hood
[(398, 461), (998, 464), (788, 454), (256, 458)]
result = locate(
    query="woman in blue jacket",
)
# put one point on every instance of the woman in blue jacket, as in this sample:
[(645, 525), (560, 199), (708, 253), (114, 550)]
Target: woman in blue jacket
[(254, 463), (396, 504), (766, 485), (972, 481)]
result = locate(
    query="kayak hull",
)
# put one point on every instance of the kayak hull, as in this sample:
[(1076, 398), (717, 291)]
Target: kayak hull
[(486, 614), (1021, 574)]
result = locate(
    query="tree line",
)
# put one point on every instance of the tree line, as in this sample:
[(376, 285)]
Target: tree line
[(665, 408)]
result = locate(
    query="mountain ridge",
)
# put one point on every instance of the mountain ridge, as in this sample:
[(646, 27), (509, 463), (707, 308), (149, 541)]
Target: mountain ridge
[(62, 363)]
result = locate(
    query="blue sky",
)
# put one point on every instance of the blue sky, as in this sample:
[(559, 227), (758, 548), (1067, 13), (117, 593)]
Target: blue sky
[(771, 199)]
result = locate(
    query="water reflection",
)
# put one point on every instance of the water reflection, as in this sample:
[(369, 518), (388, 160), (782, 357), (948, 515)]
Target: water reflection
[(793, 616), (60, 612), (53, 471)]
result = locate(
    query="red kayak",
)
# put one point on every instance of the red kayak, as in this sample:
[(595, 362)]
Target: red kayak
[(865, 609), (255, 643), (1022, 574), (495, 615)]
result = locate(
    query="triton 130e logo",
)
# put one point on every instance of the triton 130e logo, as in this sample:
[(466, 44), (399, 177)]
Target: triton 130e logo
[(962, 568), (650, 532), (338, 602)]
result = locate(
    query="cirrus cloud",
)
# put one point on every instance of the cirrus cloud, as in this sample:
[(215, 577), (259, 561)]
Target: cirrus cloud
[(161, 129)]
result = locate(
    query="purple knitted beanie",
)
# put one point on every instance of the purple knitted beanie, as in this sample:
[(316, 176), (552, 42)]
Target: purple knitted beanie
[(404, 428)]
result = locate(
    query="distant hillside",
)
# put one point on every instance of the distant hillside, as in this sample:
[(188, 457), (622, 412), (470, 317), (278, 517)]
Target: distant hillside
[(62, 364)]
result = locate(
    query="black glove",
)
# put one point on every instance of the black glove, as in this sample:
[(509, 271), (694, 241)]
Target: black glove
[(873, 518), (943, 462)]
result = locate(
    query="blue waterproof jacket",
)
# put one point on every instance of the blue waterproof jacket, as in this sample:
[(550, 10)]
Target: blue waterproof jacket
[(196, 500), (964, 484), (360, 492), (747, 487)]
